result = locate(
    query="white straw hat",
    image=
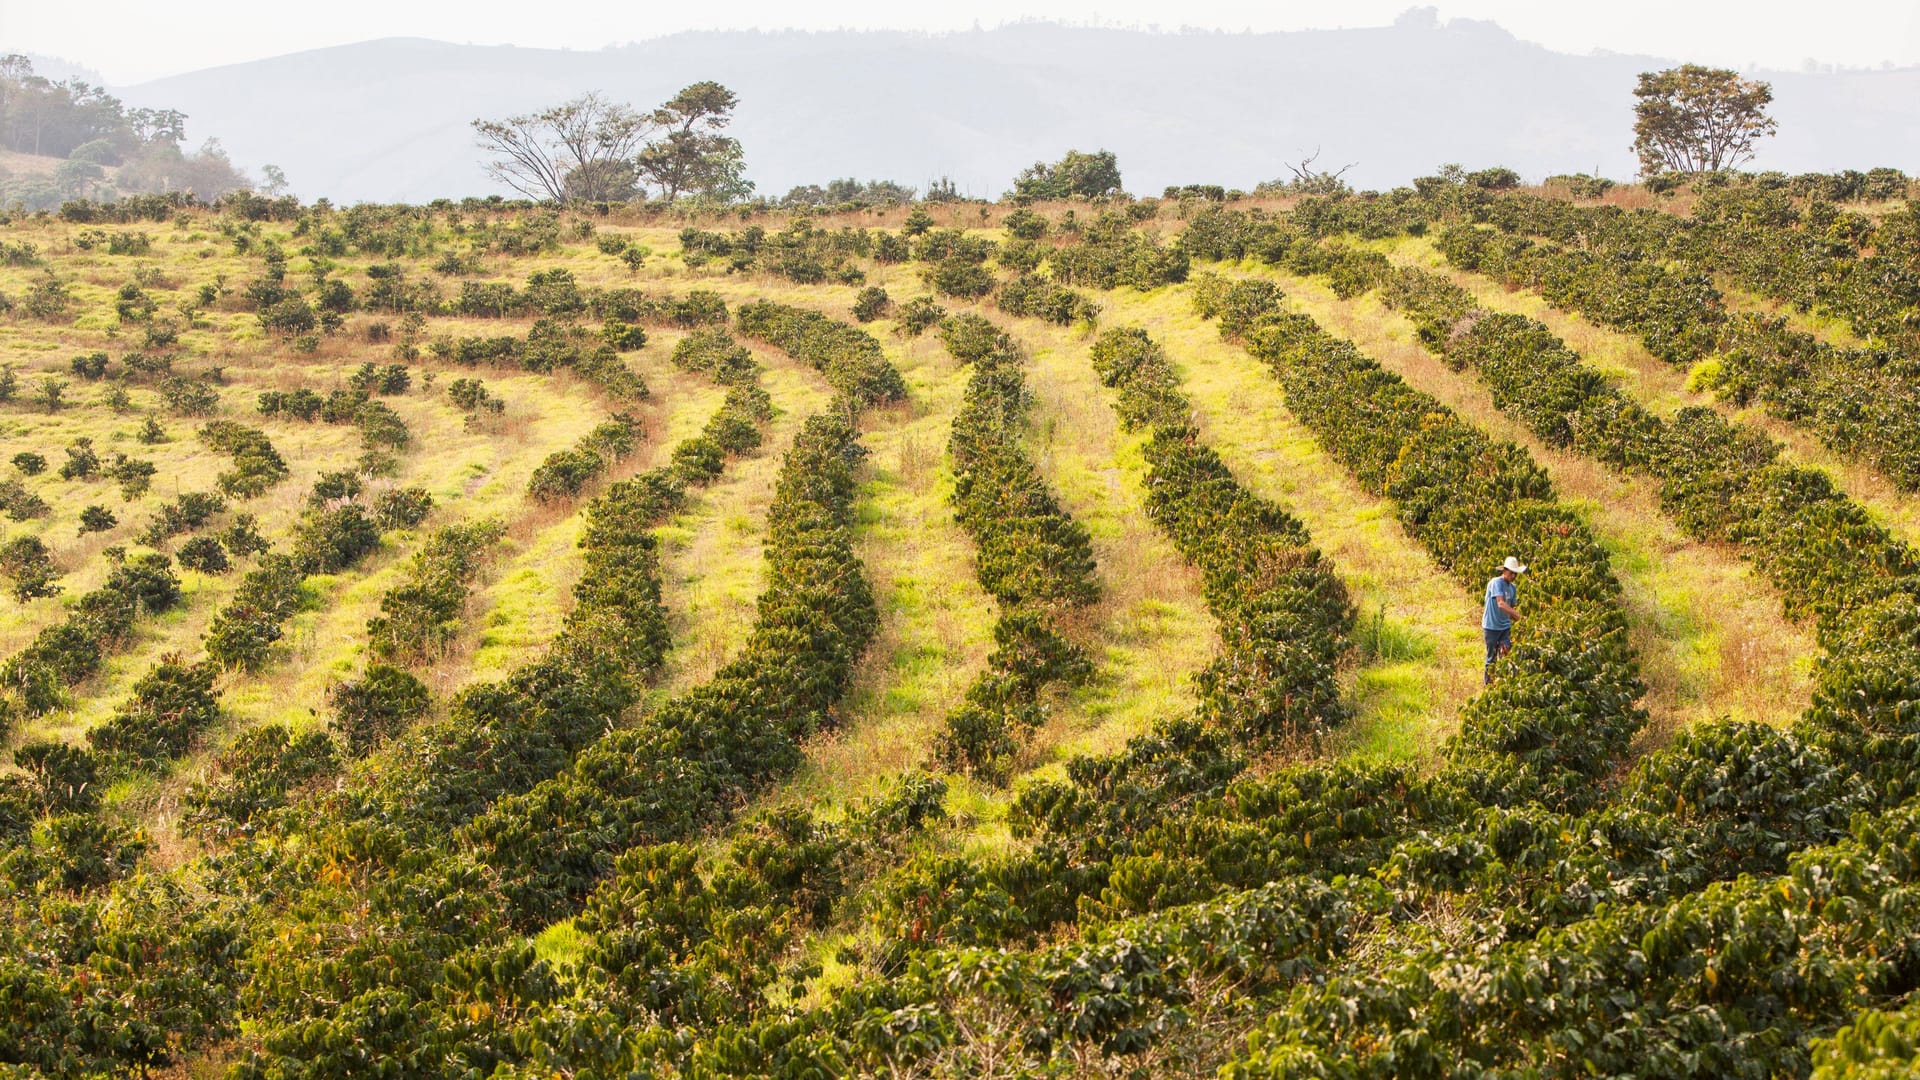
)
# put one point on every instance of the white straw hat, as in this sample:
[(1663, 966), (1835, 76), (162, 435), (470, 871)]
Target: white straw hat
[(1514, 565)]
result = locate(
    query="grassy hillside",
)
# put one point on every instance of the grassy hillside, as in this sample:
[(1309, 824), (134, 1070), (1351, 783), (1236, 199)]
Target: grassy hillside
[(950, 640)]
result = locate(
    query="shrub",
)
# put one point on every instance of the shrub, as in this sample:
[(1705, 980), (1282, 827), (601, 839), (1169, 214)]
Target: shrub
[(419, 616), (331, 540), (402, 508), (29, 463), (190, 397), (564, 474), (91, 367), (26, 560), (919, 315), (872, 303), (371, 378), (380, 426), (133, 475), (203, 553), (96, 519), (254, 776), (170, 705), (242, 637), (82, 463), (21, 504), (334, 487), (959, 279), (62, 779), (375, 707), (242, 537), (258, 466), (472, 396), (186, 513), (288, 317), (623, 337), (1036, 297)]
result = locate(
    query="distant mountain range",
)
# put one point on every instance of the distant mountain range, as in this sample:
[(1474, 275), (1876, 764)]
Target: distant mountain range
[(388, 120)]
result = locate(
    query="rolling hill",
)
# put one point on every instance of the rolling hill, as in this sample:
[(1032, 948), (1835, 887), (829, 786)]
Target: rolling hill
[(387, 120)]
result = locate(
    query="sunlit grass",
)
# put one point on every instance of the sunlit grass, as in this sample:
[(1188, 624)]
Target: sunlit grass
[(1709, 631)]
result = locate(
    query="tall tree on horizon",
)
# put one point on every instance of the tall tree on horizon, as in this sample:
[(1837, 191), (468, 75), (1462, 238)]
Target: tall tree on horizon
[(1698, 119), (694, 156), (578, 151)]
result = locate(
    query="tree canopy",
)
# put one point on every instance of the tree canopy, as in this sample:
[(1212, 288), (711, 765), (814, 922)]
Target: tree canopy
[(1076, 175), (594, 150), (1698, 119), (694, 157), (577, 151), (108, 149)]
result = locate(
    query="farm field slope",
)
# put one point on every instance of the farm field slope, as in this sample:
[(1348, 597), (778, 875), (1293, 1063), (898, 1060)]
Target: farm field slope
[(957, 638)]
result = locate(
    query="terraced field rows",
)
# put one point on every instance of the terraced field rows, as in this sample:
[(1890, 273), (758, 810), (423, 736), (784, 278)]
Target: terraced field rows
[(994, 643)]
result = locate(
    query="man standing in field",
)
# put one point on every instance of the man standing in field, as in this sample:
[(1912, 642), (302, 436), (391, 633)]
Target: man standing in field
[(1503, 606)]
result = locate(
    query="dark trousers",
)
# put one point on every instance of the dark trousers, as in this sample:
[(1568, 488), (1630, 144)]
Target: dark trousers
[(1498, 642)]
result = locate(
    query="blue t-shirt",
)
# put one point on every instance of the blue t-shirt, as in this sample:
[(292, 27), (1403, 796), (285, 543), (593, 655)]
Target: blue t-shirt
[(1495, 619)]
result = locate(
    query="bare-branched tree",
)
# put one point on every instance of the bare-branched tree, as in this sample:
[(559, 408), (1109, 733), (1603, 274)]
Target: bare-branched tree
[(1313, 181), (580, 151)]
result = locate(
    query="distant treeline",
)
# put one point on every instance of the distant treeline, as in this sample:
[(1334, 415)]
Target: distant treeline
[(106, 149)]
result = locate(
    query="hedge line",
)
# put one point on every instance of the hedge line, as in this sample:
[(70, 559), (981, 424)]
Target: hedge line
[(420, 615), (685, 764), (1029, 553)]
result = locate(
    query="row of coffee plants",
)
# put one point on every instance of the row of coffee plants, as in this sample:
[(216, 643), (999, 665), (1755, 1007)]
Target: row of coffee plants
[(1109, 253), (420, 616), (688, 762), (257, 466), (555, 344), (1037, 297), (734, 429), (801, 252), (1029, 553), (566, 473), (1813, 256), (504, 739), (1284, 616), (1677, 315), (1810, 254), (850, 359), (35, 680)]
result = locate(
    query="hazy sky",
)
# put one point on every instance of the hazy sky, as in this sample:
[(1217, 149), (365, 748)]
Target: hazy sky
[(132, 40)]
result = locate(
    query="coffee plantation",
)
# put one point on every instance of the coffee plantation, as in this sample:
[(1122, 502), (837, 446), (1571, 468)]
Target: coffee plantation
[(954, 638)]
